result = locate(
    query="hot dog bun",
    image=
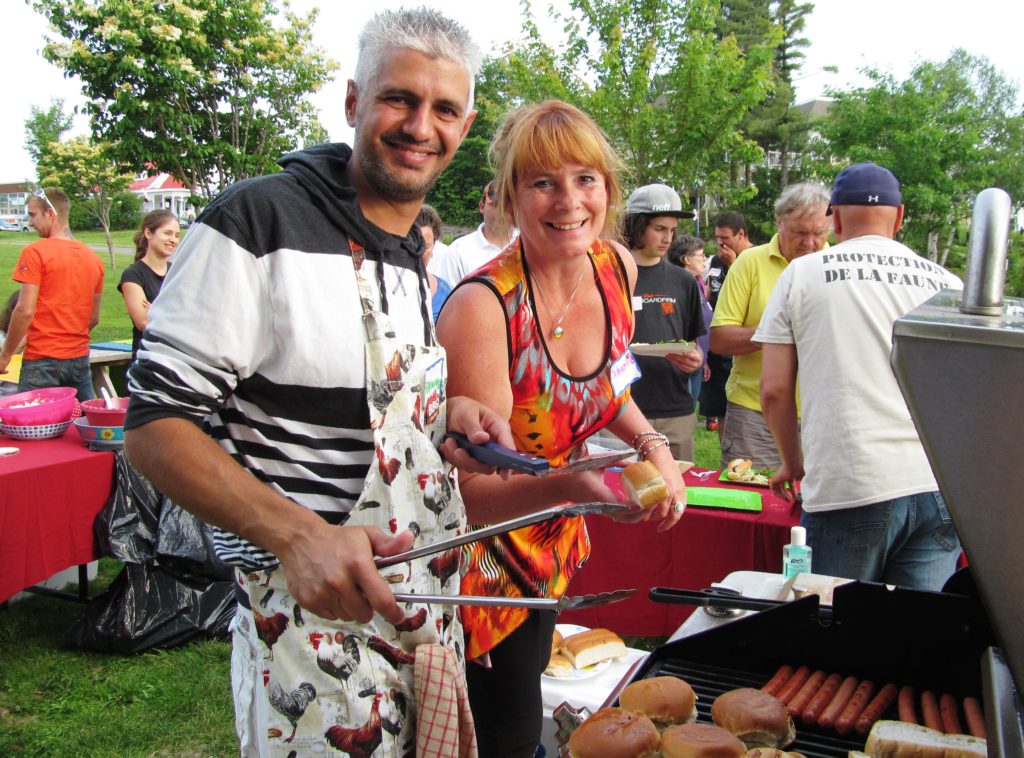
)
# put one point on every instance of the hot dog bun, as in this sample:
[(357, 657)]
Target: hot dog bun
[(665, 700), (593, 646), (556, 641), (644, 484), (896, 739), (559, 666), (737, 468)]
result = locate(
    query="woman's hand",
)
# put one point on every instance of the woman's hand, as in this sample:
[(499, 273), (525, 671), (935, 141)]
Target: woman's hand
[(669, 510), (480, 424)]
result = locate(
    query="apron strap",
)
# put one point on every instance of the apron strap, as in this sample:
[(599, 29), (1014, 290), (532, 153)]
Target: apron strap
[(376, 321)]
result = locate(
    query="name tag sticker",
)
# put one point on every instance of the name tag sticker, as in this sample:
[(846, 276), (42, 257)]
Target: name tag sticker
[(432, 391), (624, 372), (638, 303), (714, 272)]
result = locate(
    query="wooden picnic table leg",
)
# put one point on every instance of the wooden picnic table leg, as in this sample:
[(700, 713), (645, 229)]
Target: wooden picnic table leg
[(101, 379)]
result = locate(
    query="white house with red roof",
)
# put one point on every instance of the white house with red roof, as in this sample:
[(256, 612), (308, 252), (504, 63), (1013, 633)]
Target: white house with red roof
[(163, 191)]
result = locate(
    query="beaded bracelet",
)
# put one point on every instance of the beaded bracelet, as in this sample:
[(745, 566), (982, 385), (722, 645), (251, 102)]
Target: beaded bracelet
[(644, 435), (648, 450)]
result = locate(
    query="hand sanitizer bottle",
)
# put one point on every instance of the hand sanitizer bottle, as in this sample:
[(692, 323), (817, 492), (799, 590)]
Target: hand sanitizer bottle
[(796, 556)]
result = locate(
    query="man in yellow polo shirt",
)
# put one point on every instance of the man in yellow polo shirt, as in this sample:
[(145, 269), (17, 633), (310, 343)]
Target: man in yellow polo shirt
[(803, 228)]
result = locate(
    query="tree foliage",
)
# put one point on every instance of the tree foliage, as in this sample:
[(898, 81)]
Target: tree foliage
[(44, 126), (88, 174), (210, 91), (456, 196), (947, 132), (667, 91), (775, 124)]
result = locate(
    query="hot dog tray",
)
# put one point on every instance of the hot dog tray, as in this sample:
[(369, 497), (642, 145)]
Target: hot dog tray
[(929, 640)]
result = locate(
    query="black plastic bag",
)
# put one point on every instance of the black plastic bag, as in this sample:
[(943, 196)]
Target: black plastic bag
[(146, 607), (173, 588), (126, 527), (184, 545)]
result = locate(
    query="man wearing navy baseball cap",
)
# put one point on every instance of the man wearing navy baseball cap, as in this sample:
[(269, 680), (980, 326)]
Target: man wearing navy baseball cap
[(871, 505), (866, 184)]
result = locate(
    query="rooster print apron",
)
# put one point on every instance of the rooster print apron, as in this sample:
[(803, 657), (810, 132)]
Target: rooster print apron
[(310, 686)]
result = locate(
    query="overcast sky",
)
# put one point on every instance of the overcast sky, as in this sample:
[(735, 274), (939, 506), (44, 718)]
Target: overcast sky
[(891, 35)]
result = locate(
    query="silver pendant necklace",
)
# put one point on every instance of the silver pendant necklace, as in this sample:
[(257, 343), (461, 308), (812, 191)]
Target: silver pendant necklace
[(558, 331)]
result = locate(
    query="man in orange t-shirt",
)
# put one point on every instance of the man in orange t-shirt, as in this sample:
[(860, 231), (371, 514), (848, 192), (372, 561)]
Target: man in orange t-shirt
[(61, 285)]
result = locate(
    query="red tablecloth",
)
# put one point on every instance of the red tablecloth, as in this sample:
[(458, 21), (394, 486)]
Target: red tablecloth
[(50, 493), (705, 546)]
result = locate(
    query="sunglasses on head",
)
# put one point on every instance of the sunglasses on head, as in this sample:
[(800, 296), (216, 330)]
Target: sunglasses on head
[(41, 193)]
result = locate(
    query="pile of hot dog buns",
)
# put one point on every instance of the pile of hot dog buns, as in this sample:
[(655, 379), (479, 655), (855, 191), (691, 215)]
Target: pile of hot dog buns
[(657, 717), (577, 651)]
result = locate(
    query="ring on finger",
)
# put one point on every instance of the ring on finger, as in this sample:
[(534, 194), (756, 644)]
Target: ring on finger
[(678, 507)]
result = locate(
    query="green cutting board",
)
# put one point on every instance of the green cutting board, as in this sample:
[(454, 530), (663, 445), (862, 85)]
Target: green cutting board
[(720, 497)]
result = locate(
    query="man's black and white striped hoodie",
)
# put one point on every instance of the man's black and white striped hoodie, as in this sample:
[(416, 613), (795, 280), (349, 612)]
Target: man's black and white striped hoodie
[(259, 329)]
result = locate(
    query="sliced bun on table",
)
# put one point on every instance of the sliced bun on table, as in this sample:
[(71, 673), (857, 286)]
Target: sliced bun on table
[(757, 718), (559, 666), (898, 739), (593, 646), (665, 700), (737, 468), (773, 752), (615, 733), (700, 741), (644, 484), (556, 641)]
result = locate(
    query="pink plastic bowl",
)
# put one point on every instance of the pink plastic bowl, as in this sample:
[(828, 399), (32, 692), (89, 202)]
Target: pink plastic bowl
[(100, 415), (53, 405)]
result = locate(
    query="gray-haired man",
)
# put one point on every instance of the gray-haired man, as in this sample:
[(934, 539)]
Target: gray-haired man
[(282, 324), (800, 214)]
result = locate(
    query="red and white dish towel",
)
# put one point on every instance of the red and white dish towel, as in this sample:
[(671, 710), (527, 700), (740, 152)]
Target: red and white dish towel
[(444, 723)]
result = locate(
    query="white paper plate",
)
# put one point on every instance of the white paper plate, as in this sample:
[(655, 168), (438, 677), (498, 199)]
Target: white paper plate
[(567, 630), (661, 349)]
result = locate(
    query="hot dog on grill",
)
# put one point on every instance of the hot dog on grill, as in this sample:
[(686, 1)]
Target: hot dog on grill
[(821, 700), (827, 719), (876, 709), (908, 713), (859, 701), (949, 715), (777, 682), (799, 701), (975, 717), (930, 711), (794, 684)]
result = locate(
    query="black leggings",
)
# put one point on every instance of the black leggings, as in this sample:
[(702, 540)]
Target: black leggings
[(506, 698)]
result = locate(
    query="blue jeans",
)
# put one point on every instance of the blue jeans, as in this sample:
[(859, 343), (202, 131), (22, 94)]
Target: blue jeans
[(908, 541), (41, 373), (696, 380)]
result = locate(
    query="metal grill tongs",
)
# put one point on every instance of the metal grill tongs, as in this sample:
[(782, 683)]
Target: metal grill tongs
[(555, 604), (559, 511)]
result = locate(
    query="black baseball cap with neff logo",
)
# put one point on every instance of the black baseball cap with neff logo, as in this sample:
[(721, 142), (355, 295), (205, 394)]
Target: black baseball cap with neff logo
[(866, 184)]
